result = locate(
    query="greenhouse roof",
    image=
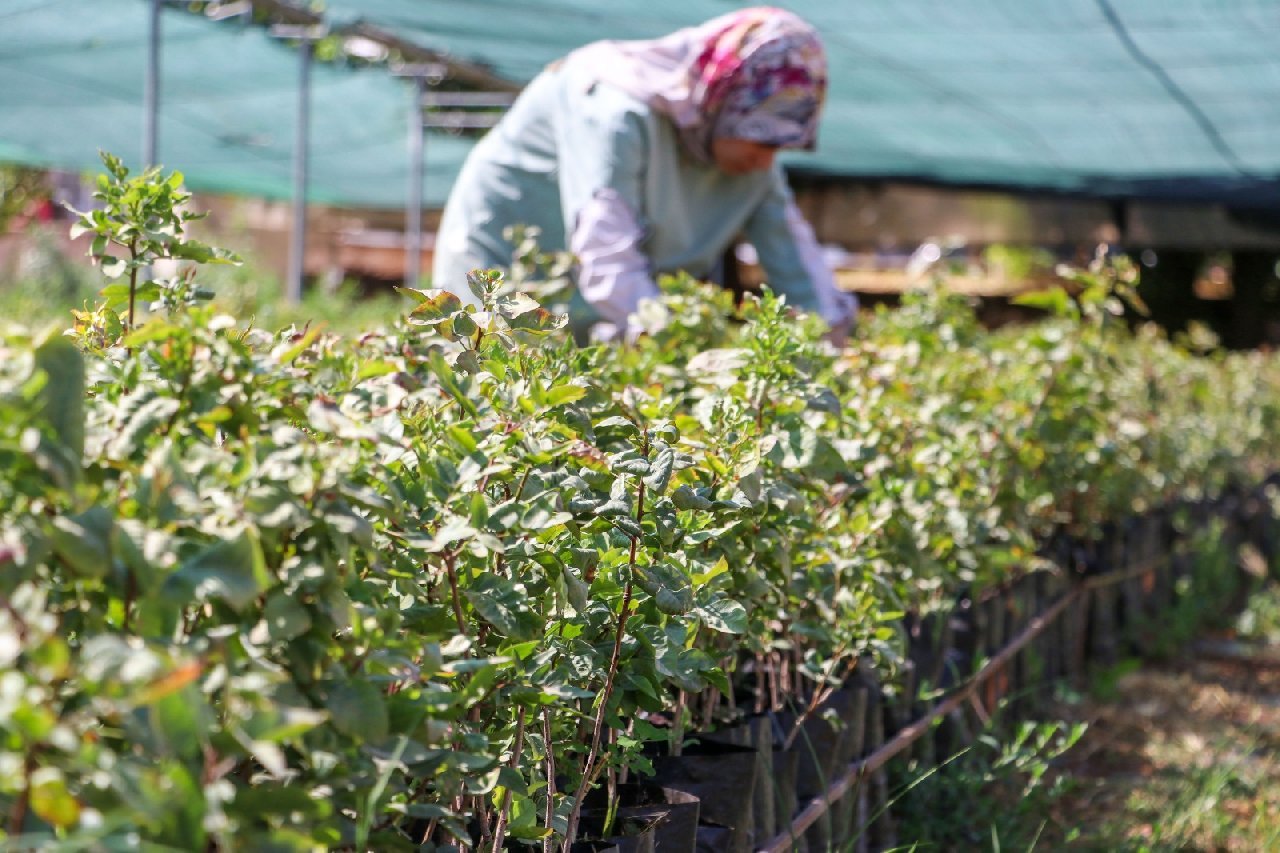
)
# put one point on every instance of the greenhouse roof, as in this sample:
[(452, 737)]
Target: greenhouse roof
[(73, 73), (1175, 98)]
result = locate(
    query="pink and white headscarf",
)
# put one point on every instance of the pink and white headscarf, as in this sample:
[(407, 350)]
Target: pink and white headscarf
[(758, 74)]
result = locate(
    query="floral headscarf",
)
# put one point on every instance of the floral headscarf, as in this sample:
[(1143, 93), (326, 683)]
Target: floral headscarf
[(758, 74)]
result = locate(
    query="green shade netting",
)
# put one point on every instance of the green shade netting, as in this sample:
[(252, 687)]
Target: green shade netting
[(1115, 97), (1173, 98), (73, 77)]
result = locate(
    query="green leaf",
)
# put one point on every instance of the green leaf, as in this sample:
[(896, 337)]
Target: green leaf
[(461, 325), (434, 306), (284, 723), (358, 710), (62, 397), (272, 507), (417, 295), (50, 799), (179, 721), (562, 394), (628, 525), (585, 560), (613, 508), (153, 330), (668, 586), (349, 523), (578, 590), (718, 361), (631, 463), (373, 368), (716, 678), (690, 669), (444, 373), (514, 304), (83, 541), (114, 267), (500, 603), (1055, 300), (231, 570), (142, 424), (427, 811), (617, 426), (285, 618), (192, 250), (146, 292), (116, 295), (504, 516), (524, 819), (660, 470), (288, 355), (724, 615), (539, 321), (685, 498)]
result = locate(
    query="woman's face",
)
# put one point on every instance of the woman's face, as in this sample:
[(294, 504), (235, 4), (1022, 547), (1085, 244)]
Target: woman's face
[(741, 156)]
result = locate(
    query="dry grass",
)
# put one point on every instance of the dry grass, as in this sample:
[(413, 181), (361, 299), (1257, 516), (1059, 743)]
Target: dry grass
[(1181, 756)]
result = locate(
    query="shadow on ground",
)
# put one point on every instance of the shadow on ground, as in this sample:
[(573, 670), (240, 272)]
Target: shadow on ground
[(1178, 756)]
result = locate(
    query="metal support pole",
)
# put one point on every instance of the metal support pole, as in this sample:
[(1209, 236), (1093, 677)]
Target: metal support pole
[(298, 239), (306, 35), (413, 213), (423, 75), (151, 88)]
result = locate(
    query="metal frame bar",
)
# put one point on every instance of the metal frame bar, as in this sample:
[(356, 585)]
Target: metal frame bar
[(306, 35), (468, 99), (424, 77), (151, 89), (461, 120), (426, 68)]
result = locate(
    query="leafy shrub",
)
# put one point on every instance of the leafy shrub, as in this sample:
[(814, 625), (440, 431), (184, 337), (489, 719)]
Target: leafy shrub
[(285, 590)]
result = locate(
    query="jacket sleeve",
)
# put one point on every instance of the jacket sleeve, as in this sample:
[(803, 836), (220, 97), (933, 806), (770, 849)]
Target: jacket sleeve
[(792, 259), (602, 144)]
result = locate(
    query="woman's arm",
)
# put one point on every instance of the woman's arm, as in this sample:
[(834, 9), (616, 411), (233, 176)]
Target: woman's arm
[(613, 274), (603, 150), (792, 259)]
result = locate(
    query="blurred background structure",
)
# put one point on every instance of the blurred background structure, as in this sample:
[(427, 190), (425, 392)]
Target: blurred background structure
[(989, 139)]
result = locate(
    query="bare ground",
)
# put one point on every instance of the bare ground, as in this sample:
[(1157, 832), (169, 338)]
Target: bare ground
[(1178, 756)]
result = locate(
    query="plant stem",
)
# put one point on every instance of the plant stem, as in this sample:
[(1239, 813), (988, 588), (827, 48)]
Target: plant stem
[(450, 559), (591, 768), (710, 704), (677, 723), (500, 833), (130, 594), (551, 778), (18, 814), (523, 480), (611, 790), (133, 277), (481, 805), (762, 687), (775, 693), (820, 694), (182, 394)]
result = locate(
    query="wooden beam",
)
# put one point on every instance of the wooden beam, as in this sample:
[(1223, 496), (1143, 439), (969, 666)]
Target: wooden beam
[(468, 73)]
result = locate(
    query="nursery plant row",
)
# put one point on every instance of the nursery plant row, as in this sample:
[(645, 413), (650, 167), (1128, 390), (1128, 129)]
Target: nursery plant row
[(455, 581), (988, 667)]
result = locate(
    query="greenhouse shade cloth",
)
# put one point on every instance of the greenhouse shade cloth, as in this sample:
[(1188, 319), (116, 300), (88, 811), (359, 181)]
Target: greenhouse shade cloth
[(1153, 98), (1177, 99), (74, 70)]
